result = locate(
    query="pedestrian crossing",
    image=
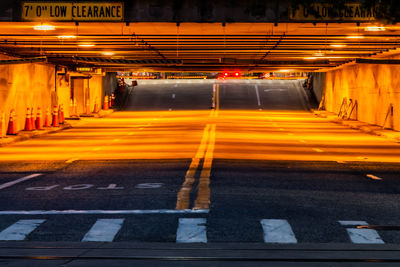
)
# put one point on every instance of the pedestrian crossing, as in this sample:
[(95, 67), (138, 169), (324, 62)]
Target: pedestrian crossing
[(194, 230)]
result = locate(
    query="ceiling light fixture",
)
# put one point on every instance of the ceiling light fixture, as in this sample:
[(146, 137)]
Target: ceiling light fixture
[(355, 37), (108, 53), (66, 37), (44, 27), (338, 45), (86, 45), (375, 29)]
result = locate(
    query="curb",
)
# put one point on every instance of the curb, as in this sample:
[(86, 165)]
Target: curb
[(367, 128), (22, 136)]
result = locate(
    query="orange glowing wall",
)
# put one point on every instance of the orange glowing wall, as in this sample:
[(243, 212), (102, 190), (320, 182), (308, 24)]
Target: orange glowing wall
[(33, 85), (375, 87)]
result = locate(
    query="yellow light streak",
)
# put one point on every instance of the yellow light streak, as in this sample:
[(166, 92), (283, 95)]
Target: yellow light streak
[(355, 37), (338, 45), (108, 53)]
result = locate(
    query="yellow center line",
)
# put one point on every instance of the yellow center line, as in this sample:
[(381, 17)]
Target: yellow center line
[(203, 194), (183, 197)]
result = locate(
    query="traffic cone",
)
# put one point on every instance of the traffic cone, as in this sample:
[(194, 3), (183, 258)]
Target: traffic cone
[(39, 119), (55, 122), (112, 100), (105, 107), (28, 122), (61, 117), (33, 119), (96, 106), (12, 126), (47, 118)]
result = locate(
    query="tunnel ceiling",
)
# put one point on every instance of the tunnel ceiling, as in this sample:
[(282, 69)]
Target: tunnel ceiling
[(199, 46)]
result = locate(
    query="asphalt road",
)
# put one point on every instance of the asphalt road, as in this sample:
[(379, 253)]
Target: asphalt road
[(257, 168)]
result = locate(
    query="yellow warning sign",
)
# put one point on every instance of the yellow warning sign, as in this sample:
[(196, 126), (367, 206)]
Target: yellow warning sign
[(326, 12), (70, 11)]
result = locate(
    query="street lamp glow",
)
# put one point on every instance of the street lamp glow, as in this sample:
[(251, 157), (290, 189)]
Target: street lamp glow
[(44, 27), (285, 70)]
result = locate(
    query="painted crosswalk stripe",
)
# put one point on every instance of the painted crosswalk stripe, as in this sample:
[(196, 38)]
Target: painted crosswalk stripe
[(277, 231), (362, 236), (191, 230), (104, 230), (19, 230)]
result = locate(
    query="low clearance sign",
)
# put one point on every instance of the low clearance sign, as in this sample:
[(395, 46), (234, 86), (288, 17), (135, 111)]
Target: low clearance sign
[(326, 12), (69, 11)]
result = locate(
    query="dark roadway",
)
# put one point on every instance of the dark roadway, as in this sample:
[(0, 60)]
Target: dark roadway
[(258, 168)]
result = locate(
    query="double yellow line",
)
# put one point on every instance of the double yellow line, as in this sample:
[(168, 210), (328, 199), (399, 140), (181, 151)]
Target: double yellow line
[(205, 152)]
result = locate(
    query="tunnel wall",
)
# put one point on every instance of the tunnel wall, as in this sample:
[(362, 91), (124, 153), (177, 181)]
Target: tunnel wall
[(35, 85), (374, 86)]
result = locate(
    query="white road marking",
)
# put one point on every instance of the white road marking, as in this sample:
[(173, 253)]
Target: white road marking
[(20, 180), (362, 236), (19, 230), (258, 95), (149, 185), (191, 230), (111, 187), (71, 212), (318, 150), (373, 177), (72, 160), (104, 230), (173, 96), (277, 231)]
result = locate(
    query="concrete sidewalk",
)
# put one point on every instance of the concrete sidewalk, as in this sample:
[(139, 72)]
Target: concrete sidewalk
[(361, 126), (69, 123)]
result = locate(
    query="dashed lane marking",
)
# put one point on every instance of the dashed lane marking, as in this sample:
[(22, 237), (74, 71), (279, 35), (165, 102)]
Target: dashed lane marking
[(191, 230), (104, 230), (19, 230), (277, 231), (72, 160), (318, 150), (20, 180), (361, 236), (373, 177)]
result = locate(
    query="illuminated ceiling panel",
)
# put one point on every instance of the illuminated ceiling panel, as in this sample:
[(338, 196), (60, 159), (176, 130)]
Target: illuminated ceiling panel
[(199, 46)]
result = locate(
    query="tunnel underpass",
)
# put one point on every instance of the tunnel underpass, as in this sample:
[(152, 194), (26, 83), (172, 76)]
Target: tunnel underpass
[(198, 133)]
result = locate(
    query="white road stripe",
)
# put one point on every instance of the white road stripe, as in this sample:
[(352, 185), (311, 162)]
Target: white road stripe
[(104, 230), (20, 180), (373, 177), (191, 230), (258, 95), (362, 236), (19, 230), (277, 231), (70, 212)]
